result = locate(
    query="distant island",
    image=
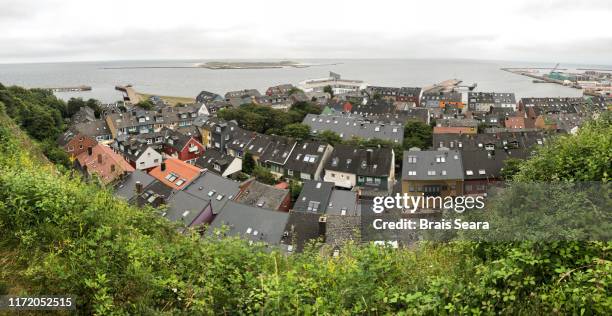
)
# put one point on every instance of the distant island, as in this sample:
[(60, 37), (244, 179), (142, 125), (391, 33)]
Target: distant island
[(251, 65)]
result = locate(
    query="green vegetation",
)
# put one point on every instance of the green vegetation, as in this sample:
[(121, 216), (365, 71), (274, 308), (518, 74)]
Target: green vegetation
[(417, 134), (328, 89), (263, 175), (146, 105), (248, 163), (74, 104), (41, 115), (263, 119), (60, 235), (296, 131)]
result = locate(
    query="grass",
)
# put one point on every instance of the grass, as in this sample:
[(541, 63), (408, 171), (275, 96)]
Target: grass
[(171, 100)]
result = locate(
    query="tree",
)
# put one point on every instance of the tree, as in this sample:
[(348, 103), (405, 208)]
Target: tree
[(295, 187), (328, 89), (329, 137), (248, 163), (511, 167), (295, 90), (297, 131), (417, 134), (146, 105), (264, 175)]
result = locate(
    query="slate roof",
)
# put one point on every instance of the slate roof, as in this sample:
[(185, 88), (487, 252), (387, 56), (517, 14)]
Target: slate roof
[(349, 126), (126, 188), (314, 197), (481, 164), (306, 156), (498, 140), (278, 150), (301, 228), (349, 159), (207, 96), (251, 223), (212, 158), (155, 194), (92, 129), (213, 187), (184, 207), (342, 202), (432, 165), (260, 194)]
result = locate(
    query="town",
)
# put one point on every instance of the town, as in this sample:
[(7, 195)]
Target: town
[(304, 162)]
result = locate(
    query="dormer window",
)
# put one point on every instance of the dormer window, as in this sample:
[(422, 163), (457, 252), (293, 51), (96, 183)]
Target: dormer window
[(440, 159), (431, 172), (412, 159)]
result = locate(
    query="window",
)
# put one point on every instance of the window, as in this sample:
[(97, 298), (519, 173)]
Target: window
[(290, 172), (469, 172), (440, 159), (180, 182), (431, 172), (412, 173), (443, 172), (481, 171), (313, 206), (171, 177), (412, 159)]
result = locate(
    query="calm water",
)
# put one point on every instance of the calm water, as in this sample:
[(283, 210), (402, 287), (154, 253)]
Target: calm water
[(189, 82)]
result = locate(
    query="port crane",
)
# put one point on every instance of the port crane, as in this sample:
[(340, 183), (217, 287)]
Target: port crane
[(554, 69)]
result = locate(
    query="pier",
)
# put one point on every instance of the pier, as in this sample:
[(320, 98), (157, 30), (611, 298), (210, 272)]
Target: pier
[(129, 94)]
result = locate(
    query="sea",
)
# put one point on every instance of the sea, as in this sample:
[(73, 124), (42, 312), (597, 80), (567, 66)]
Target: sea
[(175, 78)]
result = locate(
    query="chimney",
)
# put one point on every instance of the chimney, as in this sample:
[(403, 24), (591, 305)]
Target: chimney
[(322, 226), (100, 158), (163, 166), (89, 151), (138, 187)]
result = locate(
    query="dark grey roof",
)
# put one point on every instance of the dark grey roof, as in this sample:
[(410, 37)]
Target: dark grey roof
[(262, 195), (342, 202), (213, 159), (93, 129), (279, 150), (211, 186), (252, 223), (154, 194), (349, 126), (301, 228), (126, 188), (314, 197), (306, 156), (497, 140), (487, 164), (206, 96), (432, 165), (242, 93), (184, 208), (362, 161)]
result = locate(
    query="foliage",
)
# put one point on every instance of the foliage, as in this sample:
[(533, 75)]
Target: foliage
[(297, 131), (264, 175), (67, 236), (417, 134), (248, 163), (295, 187), (511, 168), (330, 137), (74, 104), (264, 119), (146, 105), (328, 89)]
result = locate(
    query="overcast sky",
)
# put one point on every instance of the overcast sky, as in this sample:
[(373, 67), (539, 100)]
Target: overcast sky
[(524, 30)]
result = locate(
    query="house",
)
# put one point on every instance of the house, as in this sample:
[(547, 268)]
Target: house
[(519, 120), (97, 130), (239, 97), (432, 173), (175, 173), (485, 101), (282, 89), (314, 197), (254, 224), (374, 107), (75, 143), (142, 121), (371, 169), (181, 146), (351, 126), (219, 163), (337, 84), (187, 209), (276, 155), (215, 189), (343, 203), (405, 95), (83, 115), (215, 106), (491, 141), (482, 168), (307, 159), (275, 101), (133, 185), (440, 99), (138, 152), (255, 193), (206, 97), (104, 163), (303, 228)]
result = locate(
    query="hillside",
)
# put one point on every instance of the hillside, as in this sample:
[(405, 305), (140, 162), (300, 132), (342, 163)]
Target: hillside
[(60, 235)]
